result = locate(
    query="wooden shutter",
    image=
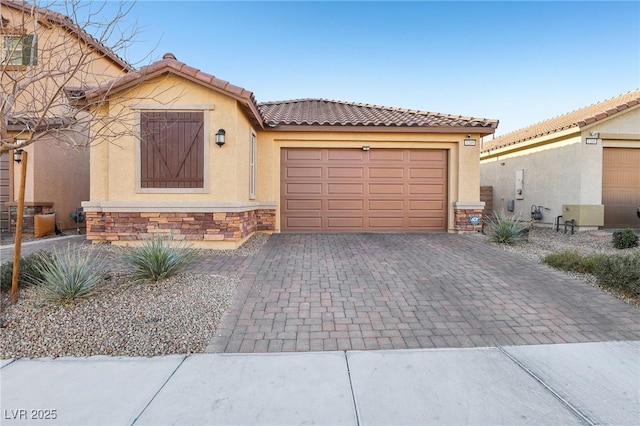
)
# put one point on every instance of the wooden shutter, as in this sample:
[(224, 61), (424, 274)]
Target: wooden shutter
[(172, 149)]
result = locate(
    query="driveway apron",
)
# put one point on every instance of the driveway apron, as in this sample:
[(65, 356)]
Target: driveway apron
[(325, 292)]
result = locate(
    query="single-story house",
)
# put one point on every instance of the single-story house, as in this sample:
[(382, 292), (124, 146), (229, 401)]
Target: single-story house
[(201, 160), (583, 165)]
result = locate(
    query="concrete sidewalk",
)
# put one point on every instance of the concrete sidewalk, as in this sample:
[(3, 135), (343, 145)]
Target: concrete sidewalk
[(582, 383)]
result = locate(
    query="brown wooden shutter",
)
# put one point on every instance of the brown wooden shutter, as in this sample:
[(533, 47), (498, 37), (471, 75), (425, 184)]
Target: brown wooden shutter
[(172, 149)]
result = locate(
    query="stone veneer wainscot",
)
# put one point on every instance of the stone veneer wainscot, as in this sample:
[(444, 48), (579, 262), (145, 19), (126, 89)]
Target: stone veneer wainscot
[(203, 223)]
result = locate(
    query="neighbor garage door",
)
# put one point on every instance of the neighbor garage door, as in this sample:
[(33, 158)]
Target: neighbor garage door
[(621, 187), (355, 190)]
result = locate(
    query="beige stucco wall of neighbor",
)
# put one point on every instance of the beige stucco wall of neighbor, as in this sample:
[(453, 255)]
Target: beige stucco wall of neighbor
[(558, 169), (463, 166)]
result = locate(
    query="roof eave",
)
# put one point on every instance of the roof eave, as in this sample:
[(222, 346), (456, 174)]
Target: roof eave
[(483, 131)]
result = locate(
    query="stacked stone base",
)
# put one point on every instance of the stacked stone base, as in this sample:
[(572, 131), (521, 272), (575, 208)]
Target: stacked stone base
[(463, 212), (31, 209), (230, 227)]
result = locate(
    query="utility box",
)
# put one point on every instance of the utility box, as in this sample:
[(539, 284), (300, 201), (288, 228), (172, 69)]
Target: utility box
[(584, 214)]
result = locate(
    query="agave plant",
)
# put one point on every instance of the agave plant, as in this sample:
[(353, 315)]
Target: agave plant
[(507, 229), (157, 259), (70, 274)]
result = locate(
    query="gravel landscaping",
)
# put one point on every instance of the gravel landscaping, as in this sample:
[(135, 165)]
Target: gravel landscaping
[(176, 315)]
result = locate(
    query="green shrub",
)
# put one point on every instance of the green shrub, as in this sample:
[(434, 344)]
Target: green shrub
[(157, 259), (571, 260), (70, 274), (625, 238), (507, 229), (620, 271), (29, 272)]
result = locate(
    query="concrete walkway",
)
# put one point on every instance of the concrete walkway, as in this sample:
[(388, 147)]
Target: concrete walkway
[(59, 243), (588, 383)]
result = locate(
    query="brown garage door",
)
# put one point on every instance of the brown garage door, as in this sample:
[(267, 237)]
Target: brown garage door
[(621, 187), (354, 190)]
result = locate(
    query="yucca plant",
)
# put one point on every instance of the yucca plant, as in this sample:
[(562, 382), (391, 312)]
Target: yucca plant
[(70, 274), (157, 259), (507, 229)]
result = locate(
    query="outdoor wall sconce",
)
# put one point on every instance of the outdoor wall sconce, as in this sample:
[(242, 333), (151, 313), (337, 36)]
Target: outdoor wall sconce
[(17, 155), (220, 137)]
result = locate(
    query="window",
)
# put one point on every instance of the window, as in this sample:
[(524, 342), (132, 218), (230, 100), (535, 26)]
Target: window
[(19, 50), (171, 149), (252, 166)]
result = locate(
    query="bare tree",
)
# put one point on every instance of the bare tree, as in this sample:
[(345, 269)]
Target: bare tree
[(52, 53)]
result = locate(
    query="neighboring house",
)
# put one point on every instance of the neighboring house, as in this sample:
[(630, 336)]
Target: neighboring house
[(583, 165), (306, 165), (38, 48)]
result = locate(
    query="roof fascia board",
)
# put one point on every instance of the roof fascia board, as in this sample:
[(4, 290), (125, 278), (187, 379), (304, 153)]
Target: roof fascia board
[(535, 142)]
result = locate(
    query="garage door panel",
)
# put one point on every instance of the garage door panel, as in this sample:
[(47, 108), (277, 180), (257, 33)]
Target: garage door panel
[(386, 173), (386, 155), (307, 172), (351, 190), (304, 188), (431, 189), (345, 154), (345, 188), (345, 172), (303, 154), (341, 205), (426, 222), (382, 188), (386, 223), (297, 205), (306, 223), (434, 155), (344, 222), (426, 205), (393, 205), (426, 173)]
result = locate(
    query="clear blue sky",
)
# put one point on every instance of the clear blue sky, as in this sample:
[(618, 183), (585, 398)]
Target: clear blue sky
[(519, 62)]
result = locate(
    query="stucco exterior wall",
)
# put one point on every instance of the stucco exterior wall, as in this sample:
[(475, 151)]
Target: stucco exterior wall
[(552, 177), (558, 170)]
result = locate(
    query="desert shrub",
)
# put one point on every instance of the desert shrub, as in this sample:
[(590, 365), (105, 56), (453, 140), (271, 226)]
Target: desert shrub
[(29, 272), (625, 238), (508, 229), (157, 259), (571, 260), (70, 274), (620, 271)]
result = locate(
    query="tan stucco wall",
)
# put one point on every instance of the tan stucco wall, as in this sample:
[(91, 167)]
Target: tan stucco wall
[(115, 164), (557, 170)]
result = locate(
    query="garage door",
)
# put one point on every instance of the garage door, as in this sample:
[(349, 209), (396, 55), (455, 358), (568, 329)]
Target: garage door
[(354, 190), (621, 187)]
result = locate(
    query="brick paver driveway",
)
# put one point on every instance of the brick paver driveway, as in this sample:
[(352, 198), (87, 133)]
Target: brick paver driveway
[(309, 292)]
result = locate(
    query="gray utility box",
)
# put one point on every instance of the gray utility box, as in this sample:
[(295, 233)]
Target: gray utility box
[(584, 214)]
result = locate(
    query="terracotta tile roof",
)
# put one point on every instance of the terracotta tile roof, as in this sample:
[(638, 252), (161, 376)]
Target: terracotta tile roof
[(578, 118), (169, 64), (56, 18), (323, 112)]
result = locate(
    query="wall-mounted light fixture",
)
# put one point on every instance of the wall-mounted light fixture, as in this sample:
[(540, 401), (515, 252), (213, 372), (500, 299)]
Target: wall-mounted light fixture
[(469, 142), (220, 137), (17, 155), (594, 133), (366, 147)]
